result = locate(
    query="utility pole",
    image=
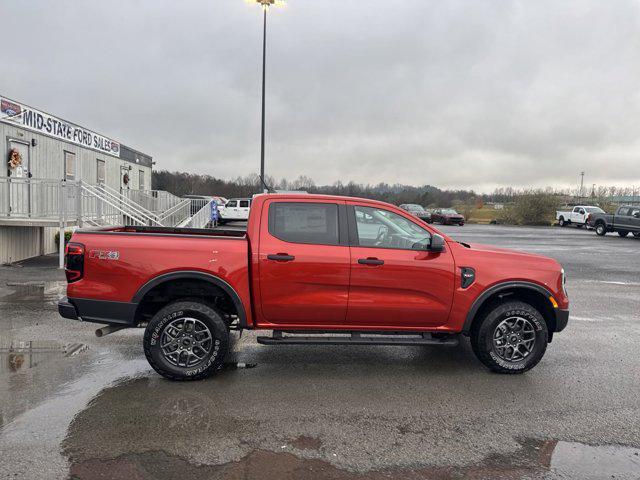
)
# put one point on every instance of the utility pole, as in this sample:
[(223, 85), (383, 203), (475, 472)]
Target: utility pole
[(581, 183), (265, 4)]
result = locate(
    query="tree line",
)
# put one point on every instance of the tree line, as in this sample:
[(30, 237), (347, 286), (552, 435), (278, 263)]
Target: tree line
[(521, 206)]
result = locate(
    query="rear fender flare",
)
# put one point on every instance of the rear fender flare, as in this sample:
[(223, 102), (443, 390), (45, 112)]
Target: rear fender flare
[(195, 275)]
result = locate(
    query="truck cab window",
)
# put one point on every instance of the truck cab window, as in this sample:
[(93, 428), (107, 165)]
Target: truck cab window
[(315, 223), (384, 229)]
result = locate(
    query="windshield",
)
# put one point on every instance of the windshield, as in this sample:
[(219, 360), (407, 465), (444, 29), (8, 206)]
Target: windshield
[(415, 208), (449, 211), (594, 210)]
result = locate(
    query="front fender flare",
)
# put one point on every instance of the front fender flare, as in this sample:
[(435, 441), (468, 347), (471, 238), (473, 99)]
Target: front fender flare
[(486, 294)]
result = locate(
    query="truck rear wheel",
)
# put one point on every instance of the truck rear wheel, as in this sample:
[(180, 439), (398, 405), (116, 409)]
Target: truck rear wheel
[(186, 340), (511, 338), (601, 229), (562, 222)]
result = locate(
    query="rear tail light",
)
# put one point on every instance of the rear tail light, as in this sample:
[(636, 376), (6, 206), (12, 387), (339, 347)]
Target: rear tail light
[(74, 262)]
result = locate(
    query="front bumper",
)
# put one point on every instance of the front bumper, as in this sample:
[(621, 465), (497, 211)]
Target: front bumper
[(562, 318)]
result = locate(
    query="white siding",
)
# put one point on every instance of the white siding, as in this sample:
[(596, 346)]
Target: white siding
[(46, 161)]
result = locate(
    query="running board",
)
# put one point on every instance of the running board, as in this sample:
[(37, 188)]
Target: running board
[(360, 338)]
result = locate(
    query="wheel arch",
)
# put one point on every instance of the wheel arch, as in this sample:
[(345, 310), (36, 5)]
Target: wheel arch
[(190, 276), (532, 293)]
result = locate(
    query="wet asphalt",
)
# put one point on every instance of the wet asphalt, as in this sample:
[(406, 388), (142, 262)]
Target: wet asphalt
[(76, 406)]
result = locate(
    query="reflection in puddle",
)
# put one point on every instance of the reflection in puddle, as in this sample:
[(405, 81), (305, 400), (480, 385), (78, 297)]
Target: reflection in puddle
[(555, 460), (44, 292), (570, 459), (16, 355)]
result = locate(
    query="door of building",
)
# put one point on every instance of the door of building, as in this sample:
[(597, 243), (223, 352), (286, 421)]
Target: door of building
[(19, 186), (100, 172)]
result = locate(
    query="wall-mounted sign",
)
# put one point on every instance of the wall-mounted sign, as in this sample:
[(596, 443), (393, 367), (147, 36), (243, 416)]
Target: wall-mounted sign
[(26, 117)]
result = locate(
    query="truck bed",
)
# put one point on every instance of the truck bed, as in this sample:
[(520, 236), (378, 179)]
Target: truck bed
[(144, 230)]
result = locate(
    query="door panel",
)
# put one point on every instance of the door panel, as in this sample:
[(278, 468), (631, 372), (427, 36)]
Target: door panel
[(634, 219), (405, 287), (303, 264)]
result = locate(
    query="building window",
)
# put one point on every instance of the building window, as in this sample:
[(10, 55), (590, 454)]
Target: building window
[(100, 171), (141, 184), (69, 166)]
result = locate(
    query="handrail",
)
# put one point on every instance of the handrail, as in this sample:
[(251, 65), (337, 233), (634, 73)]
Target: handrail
[(201, 217), (91, 190), (175, 208), (96, 190), (118, 194), (130, 203)]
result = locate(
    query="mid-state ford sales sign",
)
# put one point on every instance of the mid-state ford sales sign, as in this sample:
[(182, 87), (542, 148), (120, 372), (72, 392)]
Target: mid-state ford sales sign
[(41, 122)]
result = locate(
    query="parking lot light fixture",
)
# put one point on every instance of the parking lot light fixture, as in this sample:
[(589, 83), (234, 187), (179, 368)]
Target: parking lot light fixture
[(265, 7)]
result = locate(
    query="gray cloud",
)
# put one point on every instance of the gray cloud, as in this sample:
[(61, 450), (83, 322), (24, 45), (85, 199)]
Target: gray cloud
[(457, 94)]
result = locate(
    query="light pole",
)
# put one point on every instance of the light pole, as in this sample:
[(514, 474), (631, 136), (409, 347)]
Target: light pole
[(265, 8)]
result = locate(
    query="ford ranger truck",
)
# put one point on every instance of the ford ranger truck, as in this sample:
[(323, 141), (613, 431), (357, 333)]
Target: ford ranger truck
[(313, 269)]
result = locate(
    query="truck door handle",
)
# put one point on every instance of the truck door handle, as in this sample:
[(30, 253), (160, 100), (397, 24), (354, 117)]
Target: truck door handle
[(370, 261), (280, 257)]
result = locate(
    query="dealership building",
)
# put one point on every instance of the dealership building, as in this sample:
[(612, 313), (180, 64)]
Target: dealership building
[(58, 175)]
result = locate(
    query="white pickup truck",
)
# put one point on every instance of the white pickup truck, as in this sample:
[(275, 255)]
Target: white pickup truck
[(578, 216)]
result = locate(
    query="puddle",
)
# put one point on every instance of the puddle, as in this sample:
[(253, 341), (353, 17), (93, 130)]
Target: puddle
[(548, 459), (33, 292), (19, 355)]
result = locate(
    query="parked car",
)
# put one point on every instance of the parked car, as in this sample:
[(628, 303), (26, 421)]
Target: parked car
[(312, 264), (417, 210), (447, 216), (577, 215), (236, 209), (626, 220)]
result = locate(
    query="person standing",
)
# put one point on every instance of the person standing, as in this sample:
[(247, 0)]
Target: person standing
[(215, 214)]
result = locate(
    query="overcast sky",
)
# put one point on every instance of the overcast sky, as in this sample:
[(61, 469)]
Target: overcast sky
[(463, 94)]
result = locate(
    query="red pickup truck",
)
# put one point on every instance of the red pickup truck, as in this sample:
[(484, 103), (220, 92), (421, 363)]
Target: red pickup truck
[(313, 269)]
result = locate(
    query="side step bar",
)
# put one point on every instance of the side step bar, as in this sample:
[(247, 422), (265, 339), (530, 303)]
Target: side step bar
[(360, 338)]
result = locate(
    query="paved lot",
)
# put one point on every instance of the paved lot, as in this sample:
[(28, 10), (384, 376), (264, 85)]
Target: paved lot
[(72, 404)]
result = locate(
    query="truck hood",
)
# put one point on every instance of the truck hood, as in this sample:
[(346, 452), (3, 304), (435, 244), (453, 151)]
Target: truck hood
[(514, 255)]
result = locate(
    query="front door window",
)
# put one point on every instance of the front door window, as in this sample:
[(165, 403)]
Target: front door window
[(384, 229)]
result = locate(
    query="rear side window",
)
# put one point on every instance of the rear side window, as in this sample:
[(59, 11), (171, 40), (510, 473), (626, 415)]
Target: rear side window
[(623, 211), (244, 203), (315, 223)]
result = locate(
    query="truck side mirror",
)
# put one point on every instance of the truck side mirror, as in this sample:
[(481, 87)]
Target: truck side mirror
[(437, 243)]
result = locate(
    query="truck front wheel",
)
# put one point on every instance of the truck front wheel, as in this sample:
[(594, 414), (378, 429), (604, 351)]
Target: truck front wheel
[(511, 338), (623, 233), (186, 340)]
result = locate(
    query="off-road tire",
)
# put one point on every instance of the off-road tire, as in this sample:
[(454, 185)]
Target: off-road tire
[(206, 314), (601, 229), (623, 233), (483, 330)]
